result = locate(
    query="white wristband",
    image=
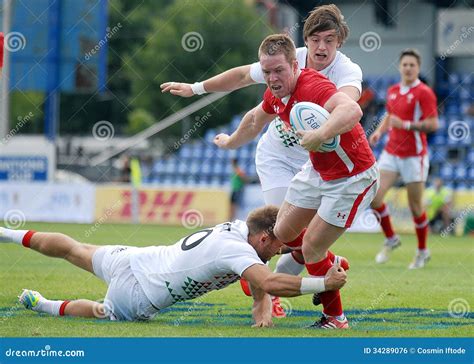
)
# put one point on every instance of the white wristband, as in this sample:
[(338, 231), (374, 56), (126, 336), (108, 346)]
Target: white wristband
[(312, 285), (198, 88), (406, 125)]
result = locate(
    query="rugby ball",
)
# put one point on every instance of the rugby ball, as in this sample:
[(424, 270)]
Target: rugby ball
[(310, 116)]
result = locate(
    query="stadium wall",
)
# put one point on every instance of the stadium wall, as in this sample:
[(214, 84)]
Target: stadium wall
[(376, 47)]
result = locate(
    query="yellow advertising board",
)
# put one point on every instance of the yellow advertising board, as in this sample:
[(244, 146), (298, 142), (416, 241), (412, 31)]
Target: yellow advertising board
[(164, 206)]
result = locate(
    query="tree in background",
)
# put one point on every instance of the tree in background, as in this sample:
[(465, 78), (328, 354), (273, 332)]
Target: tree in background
[(190, 41)]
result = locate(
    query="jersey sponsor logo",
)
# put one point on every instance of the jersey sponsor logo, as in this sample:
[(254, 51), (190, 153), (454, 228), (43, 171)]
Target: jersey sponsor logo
[(392, 96)]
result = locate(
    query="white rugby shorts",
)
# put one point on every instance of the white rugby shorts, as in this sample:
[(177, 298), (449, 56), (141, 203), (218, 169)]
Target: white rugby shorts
[(125, 299), (411, 169), (339, 202)]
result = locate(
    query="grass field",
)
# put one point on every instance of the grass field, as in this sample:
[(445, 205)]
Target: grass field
[(379, 300)]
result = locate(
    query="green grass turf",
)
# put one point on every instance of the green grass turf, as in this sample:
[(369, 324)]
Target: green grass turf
[(379, 300)]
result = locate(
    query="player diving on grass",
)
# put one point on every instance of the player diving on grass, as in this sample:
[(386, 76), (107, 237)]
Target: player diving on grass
[(144, 280), (333, 188), (279, 152)]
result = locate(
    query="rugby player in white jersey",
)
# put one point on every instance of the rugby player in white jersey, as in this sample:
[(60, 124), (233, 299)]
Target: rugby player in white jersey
[(278, 152), (143, 281)]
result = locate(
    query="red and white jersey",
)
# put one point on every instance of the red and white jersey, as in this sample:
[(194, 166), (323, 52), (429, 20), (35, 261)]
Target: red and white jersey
[(412, 103), (352, 156)]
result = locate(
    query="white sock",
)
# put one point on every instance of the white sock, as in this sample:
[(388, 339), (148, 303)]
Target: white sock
[(48, 306), (340, 317), (287, 264), (9, 235)]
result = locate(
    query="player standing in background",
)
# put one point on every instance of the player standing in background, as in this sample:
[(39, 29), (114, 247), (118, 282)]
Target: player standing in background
[(332, 188), (142, 281), (411, 113), (279, 156), (237, 185)]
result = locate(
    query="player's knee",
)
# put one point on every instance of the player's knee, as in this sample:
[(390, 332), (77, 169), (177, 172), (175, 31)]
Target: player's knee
[(282, 234), (416, 208)]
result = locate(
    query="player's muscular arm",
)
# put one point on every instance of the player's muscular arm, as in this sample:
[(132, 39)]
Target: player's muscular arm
[(230, 80), (251, 125), (345, 114), (284, 285), (233, 79), (351, 91)]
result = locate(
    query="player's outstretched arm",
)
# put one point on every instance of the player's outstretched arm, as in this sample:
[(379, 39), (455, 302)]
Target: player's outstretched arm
[(262, 308), (251, 125), (285, 285), (230, 80)]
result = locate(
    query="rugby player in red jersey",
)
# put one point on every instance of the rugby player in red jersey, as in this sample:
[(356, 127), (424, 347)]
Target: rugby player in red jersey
[(411, 113)]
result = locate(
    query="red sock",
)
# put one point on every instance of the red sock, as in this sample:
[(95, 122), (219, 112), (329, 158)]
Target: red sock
[(298, 242), (331, 300), (384, 215), (344, 261), (27, 238), (421, 228), (63, 307)]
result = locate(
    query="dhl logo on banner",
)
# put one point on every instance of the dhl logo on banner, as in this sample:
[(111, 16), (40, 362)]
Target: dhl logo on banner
[(162, 206)]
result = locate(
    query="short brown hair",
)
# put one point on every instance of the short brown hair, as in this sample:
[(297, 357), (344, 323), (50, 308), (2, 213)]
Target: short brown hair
[(262, 219), (326, 17), (410, 52), (276, 44)]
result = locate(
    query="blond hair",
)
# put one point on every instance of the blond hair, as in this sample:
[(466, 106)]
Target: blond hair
[(262, 219), (278, 44)]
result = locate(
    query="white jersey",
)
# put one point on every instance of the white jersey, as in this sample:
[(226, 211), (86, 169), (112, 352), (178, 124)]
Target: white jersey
[(342, 71), (207, 260)]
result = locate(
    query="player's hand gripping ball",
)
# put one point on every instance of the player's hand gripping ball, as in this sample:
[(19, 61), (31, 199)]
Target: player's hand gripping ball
[(309, 116)]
